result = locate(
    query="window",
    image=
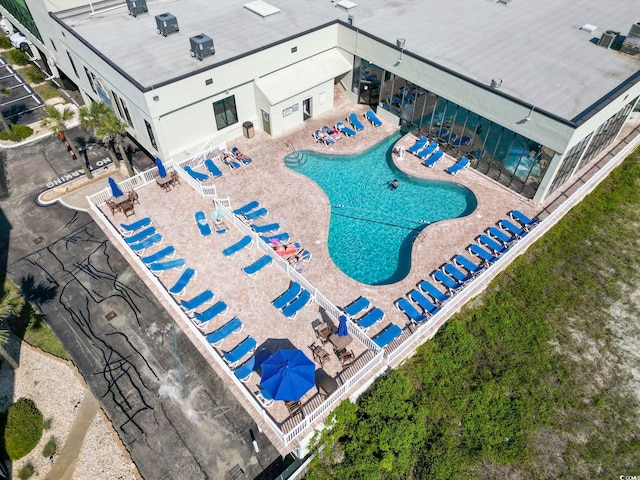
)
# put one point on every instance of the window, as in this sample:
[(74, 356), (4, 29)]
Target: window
[(225, 112), (152, 138), (73, 65), (117, 101), (126, 112), (90, 78), (53, 45)]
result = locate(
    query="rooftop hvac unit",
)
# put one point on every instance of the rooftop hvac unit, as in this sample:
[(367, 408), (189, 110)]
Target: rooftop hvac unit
[(631, 45), (137, 6), (201, 46), (167, 24), (608, 38)]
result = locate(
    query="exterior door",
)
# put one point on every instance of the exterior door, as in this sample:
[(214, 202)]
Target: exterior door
[(266, 123)]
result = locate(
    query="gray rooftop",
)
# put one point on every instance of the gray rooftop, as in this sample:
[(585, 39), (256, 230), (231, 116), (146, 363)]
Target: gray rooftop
[(537, 49)]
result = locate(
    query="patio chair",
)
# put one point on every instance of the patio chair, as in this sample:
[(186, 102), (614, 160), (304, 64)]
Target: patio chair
[(427, 306), (388, 335), (294, 408), (140, 247), (229, 162), (216, 337), (526, 222), (141, 235), (419, 145), (210, 313), (320, 355), (113, 207), (488, 242), (127, 208), (486, 256), (323, 137), (345, 130), (438, 296), (259, 264), (271, 227), (511, 228), (346, 357), (238, 352), (238, 155), (213, 168), (428, 150), (449, 283), (166, 252), (200, 177), (231, 250), (179, 287), (355, 122), (468, 265), (370, 318), (276, 238), (305, 255), (128, 229), (449, 137), (264, 397), (292, 309), (371, 116), (246, 208), (459, 142), (260, 212), (133, 197), (175, 178), (287, 296), (203, 225), (406, 307), (356, 307), (460, 165), (245, 371), (159, 267), (455, 273), (433, 159), (199, 300), (500, 235), (323, 332)]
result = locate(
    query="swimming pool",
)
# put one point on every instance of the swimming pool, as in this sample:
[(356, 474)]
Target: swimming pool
[(372, 226)]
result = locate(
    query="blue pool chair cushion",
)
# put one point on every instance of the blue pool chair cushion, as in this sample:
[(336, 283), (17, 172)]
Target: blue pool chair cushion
[(388, 335)]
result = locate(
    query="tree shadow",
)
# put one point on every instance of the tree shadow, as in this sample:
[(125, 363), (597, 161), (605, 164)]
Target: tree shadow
[(38, 294)]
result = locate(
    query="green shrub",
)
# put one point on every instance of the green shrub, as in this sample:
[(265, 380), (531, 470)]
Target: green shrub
[(5, 43), (46, 424), (18, 132), (33, 74), (26, 472), (50, 448), (47, 90), (17, 57), (23, 428)]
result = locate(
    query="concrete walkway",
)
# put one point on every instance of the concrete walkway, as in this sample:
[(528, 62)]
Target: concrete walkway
[(66, 463)]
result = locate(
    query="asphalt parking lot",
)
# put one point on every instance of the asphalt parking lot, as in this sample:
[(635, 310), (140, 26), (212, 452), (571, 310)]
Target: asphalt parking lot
[(170, 409)]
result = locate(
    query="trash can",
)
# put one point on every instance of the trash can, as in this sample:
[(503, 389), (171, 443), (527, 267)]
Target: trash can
[(248, 129)]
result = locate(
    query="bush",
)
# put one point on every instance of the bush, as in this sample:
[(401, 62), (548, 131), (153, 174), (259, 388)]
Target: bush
[(18, 132), (5, 43), (17, 57), (23, 428), (33, 74), (26, 472), (46, 424), (50, 448)]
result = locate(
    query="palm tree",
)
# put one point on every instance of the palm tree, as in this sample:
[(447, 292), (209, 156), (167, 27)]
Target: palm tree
[(10, 304), (56, 121), (91, 117), (113, 128), (5, 92)]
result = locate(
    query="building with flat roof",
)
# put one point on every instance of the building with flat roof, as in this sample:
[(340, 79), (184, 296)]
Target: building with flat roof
[(530, 92)]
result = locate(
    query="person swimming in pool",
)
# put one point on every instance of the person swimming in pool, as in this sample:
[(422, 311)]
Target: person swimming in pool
[(393, 184)]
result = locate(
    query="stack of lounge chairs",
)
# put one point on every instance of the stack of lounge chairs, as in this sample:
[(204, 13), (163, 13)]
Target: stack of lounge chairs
[(292, 300)]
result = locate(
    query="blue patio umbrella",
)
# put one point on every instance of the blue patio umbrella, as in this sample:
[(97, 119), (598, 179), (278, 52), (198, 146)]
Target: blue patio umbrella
[(161, 170), (287, 375), (115, 189), (343, 331)]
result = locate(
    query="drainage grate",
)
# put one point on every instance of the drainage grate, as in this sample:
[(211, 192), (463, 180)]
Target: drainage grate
[(110, 316), (38, 240), (236, 472)]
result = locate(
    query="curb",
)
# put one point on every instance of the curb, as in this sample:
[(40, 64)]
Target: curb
[(29, 140)]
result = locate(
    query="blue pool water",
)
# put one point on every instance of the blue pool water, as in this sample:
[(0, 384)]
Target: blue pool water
[(372, 226)]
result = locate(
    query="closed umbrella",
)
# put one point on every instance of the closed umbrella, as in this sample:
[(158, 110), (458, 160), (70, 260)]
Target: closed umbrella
[(115, 189), (343, 331), (161, 170), (287, 375)]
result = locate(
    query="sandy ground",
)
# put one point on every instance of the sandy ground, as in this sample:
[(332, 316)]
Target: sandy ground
[(57, 390)]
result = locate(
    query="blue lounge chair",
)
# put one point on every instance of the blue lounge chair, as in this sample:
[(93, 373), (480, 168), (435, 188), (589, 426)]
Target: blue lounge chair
[(428, 150), (406, 307), (280, 238), (370, 318), (427, 305), (433, 159), (201, 177), (219, 226), (458, 166), (258, 265), (449, 283), (246, 346), (199, 300), (238, 155), (388, 335), (485, 255), (441, 133), (305, 255), (159, 255), (448, 138), (141, 235), (371, 116), (137, 225), (272, 227), (159, 267), (244, 371), (438, 296), (287, 296), (213, 168), (357, 306), (246, 208), (203, 225), (455, 273), (210, 313), (488, 242), (501, 236), (355, 123), (323, 137), (182, 282), (292, 309), (512, 228), (346, 130), (526, 222), (461, 141), (231, 250), (216, 337), (419, 145), (232, 164), (468, 265), (261, 212), (140, 247)]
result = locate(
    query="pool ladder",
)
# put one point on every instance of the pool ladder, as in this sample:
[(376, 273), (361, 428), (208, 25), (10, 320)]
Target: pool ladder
[(295, 158)]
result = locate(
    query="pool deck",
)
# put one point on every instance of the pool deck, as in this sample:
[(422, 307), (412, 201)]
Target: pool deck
[(303, 210)]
